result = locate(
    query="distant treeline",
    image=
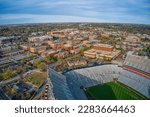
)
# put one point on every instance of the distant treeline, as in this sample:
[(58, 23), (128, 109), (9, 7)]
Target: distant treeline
[(26, 29)]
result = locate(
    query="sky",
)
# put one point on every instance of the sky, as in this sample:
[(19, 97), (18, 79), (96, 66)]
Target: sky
[(49, 11)]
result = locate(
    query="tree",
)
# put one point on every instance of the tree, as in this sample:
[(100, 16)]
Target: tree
[(27, 95), (23, 61), (21, 69), (7, 74), (31, 57), (50, 59), (84, 49), (13, 91), (41, 66)]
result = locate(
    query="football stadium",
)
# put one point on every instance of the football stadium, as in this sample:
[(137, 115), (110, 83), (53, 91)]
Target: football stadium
[(104, 82)]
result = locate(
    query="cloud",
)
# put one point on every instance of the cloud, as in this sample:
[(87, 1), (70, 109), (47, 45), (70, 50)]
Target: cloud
[(74, 10), (43, 18), (31, 18)]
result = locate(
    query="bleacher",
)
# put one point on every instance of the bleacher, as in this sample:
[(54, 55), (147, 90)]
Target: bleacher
[(71, 84), (59, 86), (91, 76), (88, 77), (137, 73), (138, 62), (136, 82)]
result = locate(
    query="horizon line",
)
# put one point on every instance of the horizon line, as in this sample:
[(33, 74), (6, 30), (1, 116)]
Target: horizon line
[(76, 22)]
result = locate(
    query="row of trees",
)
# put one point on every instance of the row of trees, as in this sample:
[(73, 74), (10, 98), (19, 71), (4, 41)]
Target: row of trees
[(12, 72), (41, 65), (12, 92), (7, 74)]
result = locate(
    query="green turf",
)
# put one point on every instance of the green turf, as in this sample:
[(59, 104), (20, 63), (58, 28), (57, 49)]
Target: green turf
[(113, 91)]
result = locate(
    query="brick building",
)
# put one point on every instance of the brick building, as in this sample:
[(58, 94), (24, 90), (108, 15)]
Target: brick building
[(103, 47)]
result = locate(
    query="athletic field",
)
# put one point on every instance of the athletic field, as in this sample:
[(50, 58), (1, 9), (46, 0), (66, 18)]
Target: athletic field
[(113, 91)]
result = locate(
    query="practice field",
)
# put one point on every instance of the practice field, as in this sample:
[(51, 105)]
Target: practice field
[(113, 91)]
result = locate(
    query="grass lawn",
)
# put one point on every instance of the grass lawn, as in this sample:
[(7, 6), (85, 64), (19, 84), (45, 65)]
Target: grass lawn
[(113, 91), (36, 78)]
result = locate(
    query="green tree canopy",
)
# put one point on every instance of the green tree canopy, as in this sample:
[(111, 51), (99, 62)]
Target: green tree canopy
[(50, 59), (41, 66), (7, 74)]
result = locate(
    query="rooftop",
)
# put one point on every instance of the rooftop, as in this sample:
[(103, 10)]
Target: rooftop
[(104, 45)]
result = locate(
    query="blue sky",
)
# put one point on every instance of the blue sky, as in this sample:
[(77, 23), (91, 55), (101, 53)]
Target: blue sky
[(42, 11)]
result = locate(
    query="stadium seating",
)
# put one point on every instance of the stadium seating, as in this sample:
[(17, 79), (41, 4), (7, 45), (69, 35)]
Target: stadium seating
[(136, 82), (138, 62), (59, 86), (71, 84), (91, 76)]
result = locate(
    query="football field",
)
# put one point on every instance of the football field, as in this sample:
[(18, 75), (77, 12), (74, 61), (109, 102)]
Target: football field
[(113, 91)]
